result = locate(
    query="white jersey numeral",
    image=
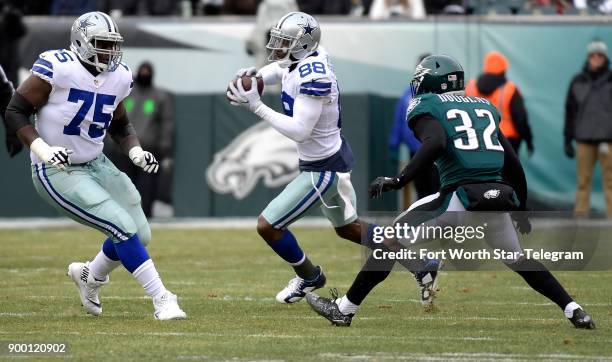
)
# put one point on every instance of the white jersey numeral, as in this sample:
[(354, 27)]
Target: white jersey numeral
[(472, 139), (488, 132), (470, 132)]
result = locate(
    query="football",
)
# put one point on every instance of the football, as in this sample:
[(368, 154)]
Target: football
[(246, 83)]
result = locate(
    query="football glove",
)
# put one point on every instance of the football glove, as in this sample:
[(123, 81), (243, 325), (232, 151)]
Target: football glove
[(232, 95), (143, 159), (383, 184), (51, 155), (249, 99), (246, 71)]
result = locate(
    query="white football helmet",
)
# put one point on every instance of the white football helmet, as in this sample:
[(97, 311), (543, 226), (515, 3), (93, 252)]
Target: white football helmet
[(295, 36), (95, 38)]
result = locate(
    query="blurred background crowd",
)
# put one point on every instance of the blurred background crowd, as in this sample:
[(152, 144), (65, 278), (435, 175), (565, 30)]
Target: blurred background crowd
[(376, 9)]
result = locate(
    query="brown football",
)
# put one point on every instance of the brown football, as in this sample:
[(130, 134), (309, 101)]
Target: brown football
[(246, 83)]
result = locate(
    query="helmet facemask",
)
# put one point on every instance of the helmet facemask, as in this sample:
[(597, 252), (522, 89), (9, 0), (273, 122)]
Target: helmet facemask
[(280, 46), (417, 79), (105, 52)]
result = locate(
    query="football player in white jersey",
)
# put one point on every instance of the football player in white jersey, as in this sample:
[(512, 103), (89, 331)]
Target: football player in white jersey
[(310, 98), (77, 95)]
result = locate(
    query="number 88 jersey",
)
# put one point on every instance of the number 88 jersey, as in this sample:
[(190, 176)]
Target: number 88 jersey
[(314, 77), (471, 124), (80, 106)]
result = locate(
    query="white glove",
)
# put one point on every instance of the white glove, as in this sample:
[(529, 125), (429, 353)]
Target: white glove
[(246, 71), (56, 156), (143, 159), (232, 95), (238, 96)]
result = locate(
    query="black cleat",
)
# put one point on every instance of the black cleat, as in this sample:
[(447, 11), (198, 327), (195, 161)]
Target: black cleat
[(328, 308), (582, 320)]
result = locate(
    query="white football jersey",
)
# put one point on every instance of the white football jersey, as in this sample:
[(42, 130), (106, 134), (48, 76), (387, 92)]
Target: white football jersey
[(314, 76), (80, 106)]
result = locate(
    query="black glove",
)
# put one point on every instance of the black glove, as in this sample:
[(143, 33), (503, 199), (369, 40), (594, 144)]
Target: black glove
[(13, 144), (569, 149), (383, 184), (523, 225)]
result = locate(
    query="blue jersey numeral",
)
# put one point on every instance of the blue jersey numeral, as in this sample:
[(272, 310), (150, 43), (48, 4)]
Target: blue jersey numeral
[(102, 100), (75, 96), (101, 120), (63, 57), (308, 68)]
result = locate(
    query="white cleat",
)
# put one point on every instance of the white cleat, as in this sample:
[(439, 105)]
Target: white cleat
[(298, 288), (87, 286), (167, 308)]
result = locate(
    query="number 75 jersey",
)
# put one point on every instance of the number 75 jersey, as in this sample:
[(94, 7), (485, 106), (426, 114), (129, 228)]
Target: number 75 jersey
[(471, 124), (80, 106)]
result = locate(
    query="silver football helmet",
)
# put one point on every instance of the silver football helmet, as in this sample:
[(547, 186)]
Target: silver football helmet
[(95, 38), (295, 36)]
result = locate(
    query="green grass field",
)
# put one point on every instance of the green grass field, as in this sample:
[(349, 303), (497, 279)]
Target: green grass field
[(226, 281)]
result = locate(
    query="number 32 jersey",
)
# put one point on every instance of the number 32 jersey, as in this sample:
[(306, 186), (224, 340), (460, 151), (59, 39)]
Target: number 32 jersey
[(471, 124), (80, 106)]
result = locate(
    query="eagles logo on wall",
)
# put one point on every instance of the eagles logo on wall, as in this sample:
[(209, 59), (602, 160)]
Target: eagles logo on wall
[(260, 152)]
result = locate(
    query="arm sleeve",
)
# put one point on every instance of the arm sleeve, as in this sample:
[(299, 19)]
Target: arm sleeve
[(519, 116), (306, 113), (121, 128), (271, 74), (433, 139), (570, 114), (18, 113), (513, 171)]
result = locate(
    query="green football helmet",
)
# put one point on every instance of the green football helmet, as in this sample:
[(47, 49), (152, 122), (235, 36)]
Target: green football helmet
[(437, 74)]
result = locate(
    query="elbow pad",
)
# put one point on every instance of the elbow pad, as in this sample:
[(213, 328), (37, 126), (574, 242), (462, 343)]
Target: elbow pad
[(18, 113)]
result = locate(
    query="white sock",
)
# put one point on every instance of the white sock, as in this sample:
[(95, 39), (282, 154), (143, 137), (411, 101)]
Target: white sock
[(147, 276), (346, 306), (570, 308), (102, 265)]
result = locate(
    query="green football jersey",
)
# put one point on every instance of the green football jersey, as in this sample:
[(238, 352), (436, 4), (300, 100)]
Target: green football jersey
[(473, 151)]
